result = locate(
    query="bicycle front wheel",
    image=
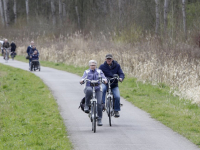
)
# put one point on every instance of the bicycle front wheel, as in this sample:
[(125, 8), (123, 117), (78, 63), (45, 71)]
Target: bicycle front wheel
[(94, 117), (109, 110)]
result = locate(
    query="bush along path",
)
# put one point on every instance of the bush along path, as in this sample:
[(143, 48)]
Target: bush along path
[(135, 128), (29, 115)]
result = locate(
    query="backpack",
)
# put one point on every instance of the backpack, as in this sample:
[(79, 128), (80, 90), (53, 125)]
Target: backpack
[(82, 104)]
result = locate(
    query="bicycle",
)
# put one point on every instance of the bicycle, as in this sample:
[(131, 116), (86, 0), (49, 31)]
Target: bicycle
[(93, 103), (109, 104), (13, 54), (6, 51)]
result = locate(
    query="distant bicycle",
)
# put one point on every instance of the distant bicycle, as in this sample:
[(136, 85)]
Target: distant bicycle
[(6, 54), (13, 54), (109, 104), (93, 103)]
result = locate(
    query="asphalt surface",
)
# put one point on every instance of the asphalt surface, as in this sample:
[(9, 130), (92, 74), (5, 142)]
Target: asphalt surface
[(134, 130)]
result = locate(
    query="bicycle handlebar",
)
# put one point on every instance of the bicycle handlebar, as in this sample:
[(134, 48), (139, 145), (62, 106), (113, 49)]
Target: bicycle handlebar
[(91, 81)]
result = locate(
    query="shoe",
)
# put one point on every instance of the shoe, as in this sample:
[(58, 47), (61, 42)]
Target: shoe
[(103, 107), (99, 123), (116, 114), (86, 109)]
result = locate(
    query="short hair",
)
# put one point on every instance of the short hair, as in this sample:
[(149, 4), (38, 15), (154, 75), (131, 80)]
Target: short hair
[(32, 42), (92, 61)]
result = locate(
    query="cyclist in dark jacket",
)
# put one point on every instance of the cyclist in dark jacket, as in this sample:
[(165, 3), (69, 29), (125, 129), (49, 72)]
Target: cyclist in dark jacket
[(109, 68), (13, 46)]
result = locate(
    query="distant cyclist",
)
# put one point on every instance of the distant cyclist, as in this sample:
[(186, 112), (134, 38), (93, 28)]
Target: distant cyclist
[(109, 68), (13, 48), (5, 46)]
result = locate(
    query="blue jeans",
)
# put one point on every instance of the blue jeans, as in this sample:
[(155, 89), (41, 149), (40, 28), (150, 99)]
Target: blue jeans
[(116, 95)]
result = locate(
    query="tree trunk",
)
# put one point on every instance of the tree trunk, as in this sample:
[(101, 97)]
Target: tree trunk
[(166, 4), (15, 10), (119, 6), (60, 11), (64, 10), (6, 12), (1, 13), (27, 10), (184, 18), (157, 16), (77, 13), (53, 10)]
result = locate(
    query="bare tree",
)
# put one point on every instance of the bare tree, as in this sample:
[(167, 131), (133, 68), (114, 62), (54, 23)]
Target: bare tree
[(157, 16), (53, 11), (15, 10), (6, 12), (60, 11), (184, 17), (64, 10), (77, 13), (1, 13), (27, 10), (60, 8), (166, 4)]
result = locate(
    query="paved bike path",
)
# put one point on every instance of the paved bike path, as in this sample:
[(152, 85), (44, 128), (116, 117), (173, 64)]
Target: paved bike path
[(134, 130)]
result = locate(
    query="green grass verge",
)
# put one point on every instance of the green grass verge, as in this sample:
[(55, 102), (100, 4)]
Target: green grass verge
[(29, 115), (180, 115)]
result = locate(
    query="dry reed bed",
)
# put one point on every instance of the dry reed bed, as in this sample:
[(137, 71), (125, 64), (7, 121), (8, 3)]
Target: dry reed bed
[(148, 61)]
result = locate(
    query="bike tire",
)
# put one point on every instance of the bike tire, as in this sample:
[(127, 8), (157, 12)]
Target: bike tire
[(6, 58), (94, 118), (109, 111)]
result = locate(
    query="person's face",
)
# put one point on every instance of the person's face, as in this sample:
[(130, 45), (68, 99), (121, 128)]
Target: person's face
[(92, 66), (109, 61), (35, 52), (32, 44)]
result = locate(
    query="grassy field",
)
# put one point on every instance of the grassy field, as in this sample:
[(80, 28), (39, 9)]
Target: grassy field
[(29, 115), (180, 115)]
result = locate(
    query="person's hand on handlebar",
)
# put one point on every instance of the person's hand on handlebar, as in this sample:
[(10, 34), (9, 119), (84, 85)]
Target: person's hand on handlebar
[(82, 81), (105, 82)]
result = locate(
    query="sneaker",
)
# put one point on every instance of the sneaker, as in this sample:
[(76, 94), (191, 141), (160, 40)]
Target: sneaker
[(99, 123), (116, 114), (103, 107), (86, 109)]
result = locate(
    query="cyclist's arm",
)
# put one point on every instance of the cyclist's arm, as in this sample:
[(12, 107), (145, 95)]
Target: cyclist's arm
[(120, 73), (103, 77), (84, 76)]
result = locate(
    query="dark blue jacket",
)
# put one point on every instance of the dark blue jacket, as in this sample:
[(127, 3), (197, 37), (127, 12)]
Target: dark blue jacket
[(28, 49), (109, 71), (32, 50), (35, 57)]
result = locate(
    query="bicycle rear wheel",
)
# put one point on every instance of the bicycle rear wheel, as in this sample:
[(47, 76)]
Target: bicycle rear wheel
[(94, 117)]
